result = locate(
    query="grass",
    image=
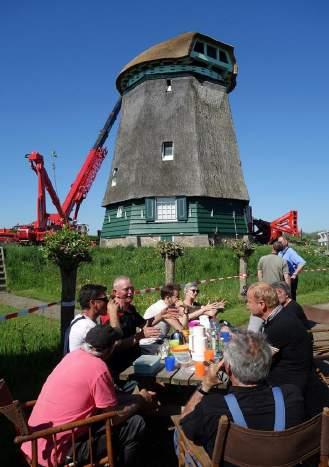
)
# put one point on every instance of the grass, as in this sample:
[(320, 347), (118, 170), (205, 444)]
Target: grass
[(5, 309), (29, 347)]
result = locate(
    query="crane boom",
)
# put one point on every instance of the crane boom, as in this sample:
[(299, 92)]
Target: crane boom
[(86, 176)]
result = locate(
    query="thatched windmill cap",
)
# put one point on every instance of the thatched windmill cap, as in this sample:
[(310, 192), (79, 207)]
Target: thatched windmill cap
[(178, 47)]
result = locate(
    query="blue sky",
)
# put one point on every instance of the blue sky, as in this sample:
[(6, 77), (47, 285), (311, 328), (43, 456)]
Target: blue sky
[(59, 61)]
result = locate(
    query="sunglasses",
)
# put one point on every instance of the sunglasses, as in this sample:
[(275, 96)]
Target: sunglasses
[(103, 299), (195, 290)]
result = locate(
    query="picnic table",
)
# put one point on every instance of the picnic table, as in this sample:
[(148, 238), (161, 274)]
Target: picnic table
[(173, 388), (183, 376), (180, 376)]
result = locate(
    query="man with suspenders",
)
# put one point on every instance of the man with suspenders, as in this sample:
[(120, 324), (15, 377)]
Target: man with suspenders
[(250, 401)]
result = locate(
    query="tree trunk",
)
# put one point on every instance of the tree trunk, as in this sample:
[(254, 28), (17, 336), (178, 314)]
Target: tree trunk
[(69, 284), (170, 269), (243, 273)]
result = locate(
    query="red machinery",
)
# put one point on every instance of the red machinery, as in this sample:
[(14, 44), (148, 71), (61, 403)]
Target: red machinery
[(263, 231), (35, 232), (267, 232)]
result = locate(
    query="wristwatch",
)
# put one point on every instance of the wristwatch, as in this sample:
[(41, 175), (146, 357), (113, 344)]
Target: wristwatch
[(202, 391)]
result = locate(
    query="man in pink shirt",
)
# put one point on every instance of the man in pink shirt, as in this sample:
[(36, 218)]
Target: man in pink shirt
[(78, 387)]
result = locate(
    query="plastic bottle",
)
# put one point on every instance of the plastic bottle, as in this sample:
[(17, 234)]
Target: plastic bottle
[(223, 339), (212, 337)]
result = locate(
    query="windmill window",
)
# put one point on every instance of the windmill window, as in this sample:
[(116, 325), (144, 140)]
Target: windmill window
[(211, 51), (119, 211), (114, 177), (223, 57), (169, 86), (199, 47), (166, 209), (167, 152)]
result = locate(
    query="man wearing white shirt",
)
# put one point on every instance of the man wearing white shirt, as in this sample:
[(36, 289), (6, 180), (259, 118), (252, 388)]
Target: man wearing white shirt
[(93, 301)]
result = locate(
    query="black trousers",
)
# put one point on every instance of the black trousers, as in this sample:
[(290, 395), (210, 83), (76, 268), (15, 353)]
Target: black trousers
[(127, 442), (293, 288)]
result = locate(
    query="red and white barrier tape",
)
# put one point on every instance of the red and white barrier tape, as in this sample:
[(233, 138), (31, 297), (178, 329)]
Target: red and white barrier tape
[(27, 311), (316, 270), (202, 281)]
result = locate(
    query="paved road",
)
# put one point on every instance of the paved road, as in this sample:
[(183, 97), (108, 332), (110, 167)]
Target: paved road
[(24, 302)]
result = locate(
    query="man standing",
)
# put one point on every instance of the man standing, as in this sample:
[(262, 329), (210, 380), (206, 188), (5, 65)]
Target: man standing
[(295, 264), (247, 360), (290, 341), (93, 302), (79, 387), (271, 268)]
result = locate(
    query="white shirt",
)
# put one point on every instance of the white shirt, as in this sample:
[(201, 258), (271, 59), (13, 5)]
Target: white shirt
[(164, 327), (79, 331)]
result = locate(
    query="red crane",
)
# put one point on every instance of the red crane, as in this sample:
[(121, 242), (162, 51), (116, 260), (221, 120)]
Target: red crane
[(263, 231), (36, 231)]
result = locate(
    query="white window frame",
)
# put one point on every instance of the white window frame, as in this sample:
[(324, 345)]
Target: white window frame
[(169, 157), (163, 201), (114, 177), (120, 211)]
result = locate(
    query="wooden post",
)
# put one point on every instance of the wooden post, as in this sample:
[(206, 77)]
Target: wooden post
[(243, 268), (170, 269), (69, 284)]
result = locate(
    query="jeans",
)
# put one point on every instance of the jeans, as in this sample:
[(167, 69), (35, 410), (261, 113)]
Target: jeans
[(190, 461), (127, 439)]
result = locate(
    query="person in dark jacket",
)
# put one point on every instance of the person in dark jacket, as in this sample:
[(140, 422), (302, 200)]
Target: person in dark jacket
[(291, 342), (284, 295), (247, 362)]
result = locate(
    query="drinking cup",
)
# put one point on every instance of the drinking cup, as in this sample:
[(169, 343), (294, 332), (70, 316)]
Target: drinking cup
[(200, 369), (225, 335), (173, 343), (170, 363), (209, 355)]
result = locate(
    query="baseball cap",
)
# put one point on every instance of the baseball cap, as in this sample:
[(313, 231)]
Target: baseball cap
[(102, 337)]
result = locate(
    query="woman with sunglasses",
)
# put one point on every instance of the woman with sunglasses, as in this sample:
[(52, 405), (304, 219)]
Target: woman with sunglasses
[(194, 308)]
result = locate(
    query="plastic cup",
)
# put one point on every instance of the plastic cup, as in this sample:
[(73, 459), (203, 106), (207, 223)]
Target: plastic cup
[(225, 335), (173, 343), (209, 355), (200, 369), (170, 363)]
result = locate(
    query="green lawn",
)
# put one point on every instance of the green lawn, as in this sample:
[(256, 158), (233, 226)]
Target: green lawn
[(5, 309), (29, 346)]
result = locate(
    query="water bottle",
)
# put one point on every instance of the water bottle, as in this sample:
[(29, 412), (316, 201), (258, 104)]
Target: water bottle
[(212, 336), (223, 339)]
